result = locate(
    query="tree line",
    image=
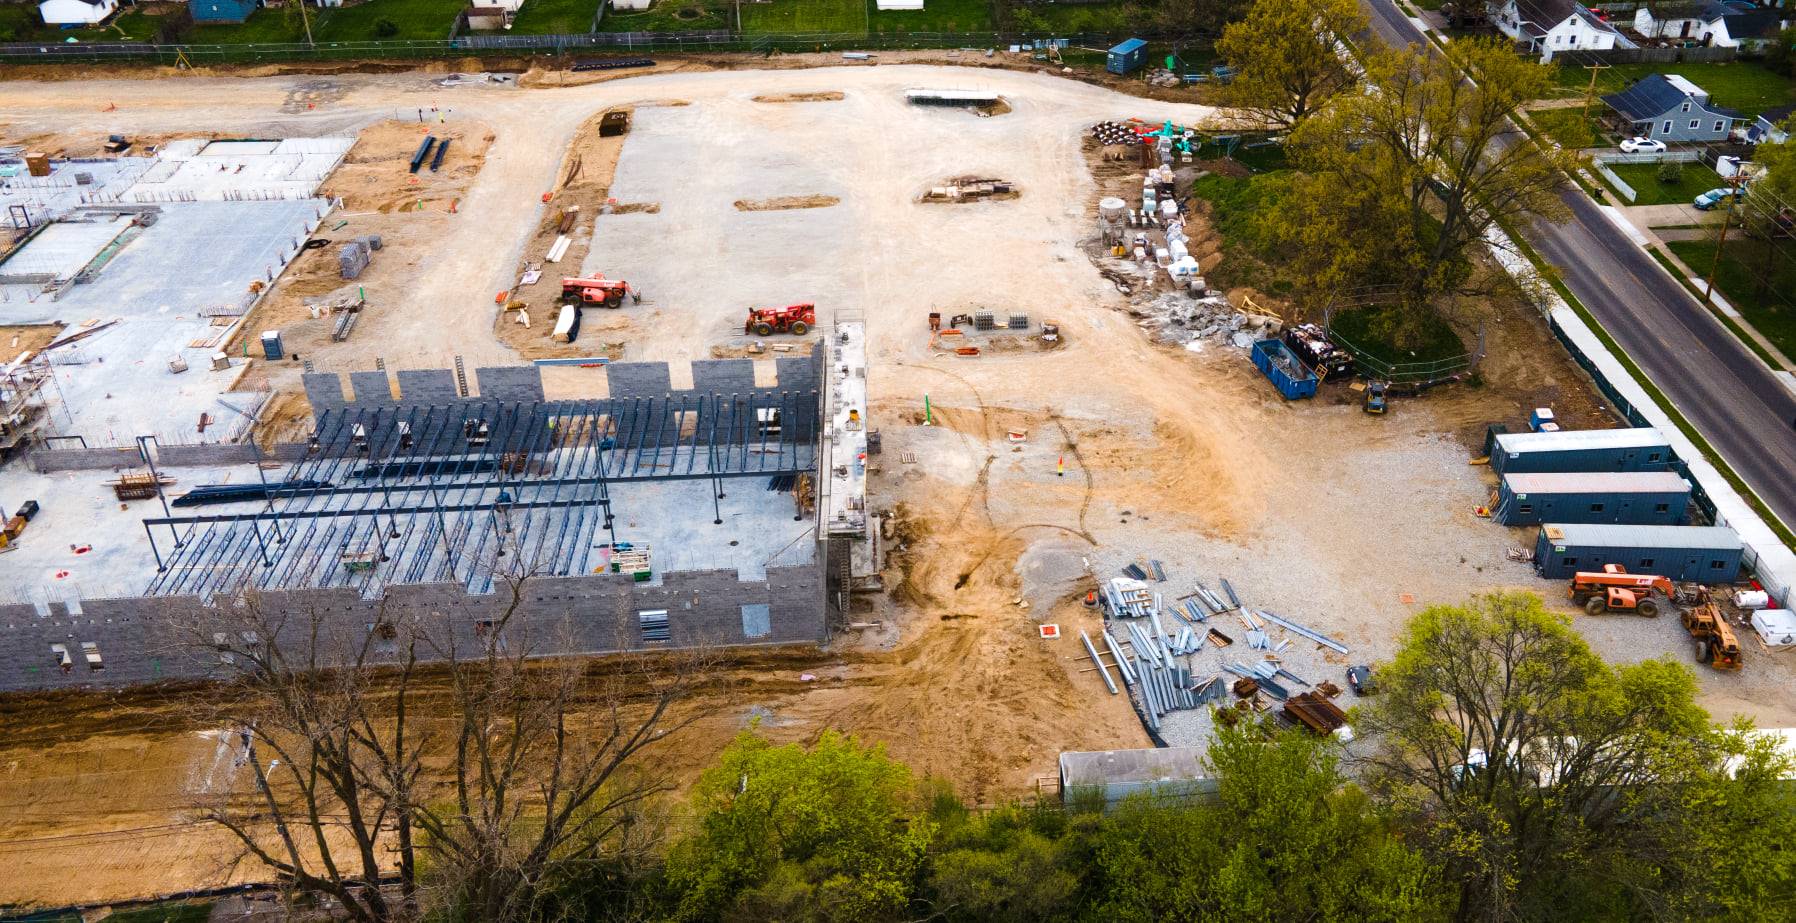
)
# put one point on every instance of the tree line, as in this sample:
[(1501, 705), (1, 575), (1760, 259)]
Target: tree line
[(1504, 772)]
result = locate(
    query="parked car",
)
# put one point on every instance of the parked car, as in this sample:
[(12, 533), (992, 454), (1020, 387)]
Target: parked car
[(1360, 678), (1642, 146), (1715, 197)]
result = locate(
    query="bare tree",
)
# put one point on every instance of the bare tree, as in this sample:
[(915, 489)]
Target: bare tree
[(320, 717), (458, 739), (546, 777)]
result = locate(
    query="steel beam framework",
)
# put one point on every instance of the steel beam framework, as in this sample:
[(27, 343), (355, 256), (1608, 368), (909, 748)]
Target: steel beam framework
[(461, 492)]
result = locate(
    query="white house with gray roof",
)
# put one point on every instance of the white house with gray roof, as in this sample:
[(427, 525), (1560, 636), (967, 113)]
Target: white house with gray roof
[(1550, 27)]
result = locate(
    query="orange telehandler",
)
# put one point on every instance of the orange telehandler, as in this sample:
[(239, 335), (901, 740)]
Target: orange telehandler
[(598, 290), (1613, 589)]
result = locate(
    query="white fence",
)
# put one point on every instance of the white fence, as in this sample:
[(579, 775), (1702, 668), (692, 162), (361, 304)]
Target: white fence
[(1601, 165)]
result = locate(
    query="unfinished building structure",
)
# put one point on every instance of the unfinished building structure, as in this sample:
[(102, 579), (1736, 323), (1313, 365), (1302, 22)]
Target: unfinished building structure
[(651, 518)]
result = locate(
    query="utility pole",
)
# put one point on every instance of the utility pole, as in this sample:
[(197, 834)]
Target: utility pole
[(1590, 94), (1733, 187), (305, 20)]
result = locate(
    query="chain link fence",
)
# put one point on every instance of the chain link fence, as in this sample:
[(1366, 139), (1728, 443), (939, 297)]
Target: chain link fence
[(530, 45)]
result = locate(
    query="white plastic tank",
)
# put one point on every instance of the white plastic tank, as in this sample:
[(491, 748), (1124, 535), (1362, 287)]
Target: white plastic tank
[(1752, 599), (1177, 249), (1111, 209), (1169, 209)]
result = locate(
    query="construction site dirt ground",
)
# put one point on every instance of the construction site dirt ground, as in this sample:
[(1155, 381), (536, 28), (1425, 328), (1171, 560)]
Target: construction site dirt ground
[(1128, 450)]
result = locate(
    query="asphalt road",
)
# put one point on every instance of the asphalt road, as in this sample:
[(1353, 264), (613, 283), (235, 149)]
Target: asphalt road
[(1719, 385)]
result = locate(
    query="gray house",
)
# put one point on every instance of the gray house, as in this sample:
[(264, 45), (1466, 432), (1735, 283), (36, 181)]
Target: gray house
[(1668, 108)]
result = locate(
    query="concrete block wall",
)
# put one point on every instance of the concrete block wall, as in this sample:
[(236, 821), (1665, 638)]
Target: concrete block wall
[(510, 383), (206, 453), (429, 386), (372, 389), (95, 459), (156, 639)]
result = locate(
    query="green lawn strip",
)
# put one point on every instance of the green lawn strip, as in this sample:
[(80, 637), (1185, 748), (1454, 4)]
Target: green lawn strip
[(1658, 397), (416, 19), (21, 22), (1720, 315), (1738, 283), (670, 16), (936, 16), (1644, 177), (1366, 330), (555, 17), (264, 26), (1086, 17), (1743, 85), (1569, 128), (789, 16)]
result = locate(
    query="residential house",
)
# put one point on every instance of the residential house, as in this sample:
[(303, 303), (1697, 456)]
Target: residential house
[(76, 12), (1550, 27), (1739, 24), (1668, 108), (1678, 21), (1771, 127), (227, 11)]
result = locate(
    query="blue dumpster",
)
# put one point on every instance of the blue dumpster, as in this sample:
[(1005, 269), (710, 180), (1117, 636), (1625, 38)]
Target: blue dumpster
[(1287, 372), (1126, 57)]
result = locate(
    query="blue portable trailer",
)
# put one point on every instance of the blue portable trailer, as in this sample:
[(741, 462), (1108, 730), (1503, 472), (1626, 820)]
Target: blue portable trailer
[(1640, 448), (1288, 373), (1704, 554), (1127, 57), (1648, 498)]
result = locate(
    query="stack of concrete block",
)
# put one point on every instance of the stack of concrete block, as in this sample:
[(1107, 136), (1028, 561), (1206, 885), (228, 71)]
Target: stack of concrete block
[(354, 256)]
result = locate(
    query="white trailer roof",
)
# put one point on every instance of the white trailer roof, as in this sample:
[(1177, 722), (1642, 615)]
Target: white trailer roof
[(1637, 437), (1716, 538), (1597, 482)]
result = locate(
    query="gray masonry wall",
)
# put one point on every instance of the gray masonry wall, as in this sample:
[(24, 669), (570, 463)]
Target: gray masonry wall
[(154, 639), (98, 459)]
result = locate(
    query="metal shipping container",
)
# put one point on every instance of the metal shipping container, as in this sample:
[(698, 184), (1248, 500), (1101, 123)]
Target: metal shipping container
[(1658, 498), (1637, 449), (1287, 372), (1127, 57), (1706, 554)]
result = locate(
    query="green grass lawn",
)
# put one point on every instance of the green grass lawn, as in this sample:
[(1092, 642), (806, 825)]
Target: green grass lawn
[(1743, 85), (21, 22), (1091, 17), (555, 17), (936, 16), (1569, 127), (416, 19), (806, 16), (264, 26), (1644, 177), (670, 16), (1370, 329), (1744, 262)]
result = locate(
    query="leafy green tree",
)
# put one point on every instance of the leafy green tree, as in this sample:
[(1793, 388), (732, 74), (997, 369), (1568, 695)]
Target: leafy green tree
[(1287, 839), (1288, 59), (1014, 863), (1547, 784), (793, 834), (1404, 180), (1780, 52), (1768, 213)]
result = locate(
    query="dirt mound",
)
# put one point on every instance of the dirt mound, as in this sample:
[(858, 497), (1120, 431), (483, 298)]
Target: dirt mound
[(825, 96), (784, 203)]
